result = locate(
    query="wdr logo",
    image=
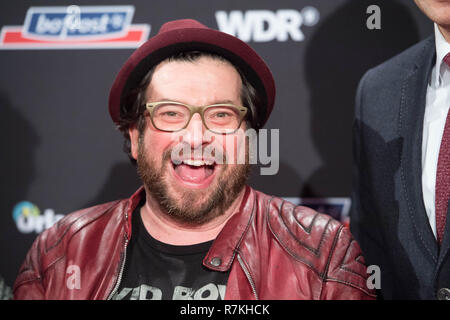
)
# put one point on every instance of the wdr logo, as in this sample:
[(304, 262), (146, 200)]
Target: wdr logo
[(29, 219), (265, 25), (75, 27)]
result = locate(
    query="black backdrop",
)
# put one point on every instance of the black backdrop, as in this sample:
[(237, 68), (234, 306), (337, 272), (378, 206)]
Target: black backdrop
[(60, 151)]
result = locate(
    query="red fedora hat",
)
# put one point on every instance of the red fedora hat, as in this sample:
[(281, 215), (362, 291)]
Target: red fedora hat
[(188, 35)]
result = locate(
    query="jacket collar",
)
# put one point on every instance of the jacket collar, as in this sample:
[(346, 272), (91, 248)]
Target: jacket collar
[(221, 254), (132, 204)]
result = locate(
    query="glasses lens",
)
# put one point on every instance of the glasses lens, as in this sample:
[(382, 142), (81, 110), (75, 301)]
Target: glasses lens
[(170, 117), (222, 119)]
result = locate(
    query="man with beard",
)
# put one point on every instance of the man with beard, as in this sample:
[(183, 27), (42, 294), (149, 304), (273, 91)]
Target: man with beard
[(183, 101)]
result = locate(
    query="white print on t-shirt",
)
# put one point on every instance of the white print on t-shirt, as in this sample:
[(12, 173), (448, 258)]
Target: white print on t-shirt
[(210, 291)]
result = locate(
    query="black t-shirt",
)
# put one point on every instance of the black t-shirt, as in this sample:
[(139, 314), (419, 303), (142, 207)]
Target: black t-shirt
[(155, 270)]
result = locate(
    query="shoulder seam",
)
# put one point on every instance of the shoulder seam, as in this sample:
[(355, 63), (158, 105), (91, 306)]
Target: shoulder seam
[(350, 284), (333, 248), (341, 263), (308, 265), (316, 252)]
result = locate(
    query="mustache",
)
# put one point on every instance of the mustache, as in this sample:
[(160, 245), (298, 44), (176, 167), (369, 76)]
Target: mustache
[(177, 153)]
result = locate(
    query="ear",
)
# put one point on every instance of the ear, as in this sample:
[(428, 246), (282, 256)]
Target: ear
[(134, 140)]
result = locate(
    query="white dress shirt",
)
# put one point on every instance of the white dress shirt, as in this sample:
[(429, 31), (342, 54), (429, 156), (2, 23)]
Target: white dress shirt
[(436, 109)]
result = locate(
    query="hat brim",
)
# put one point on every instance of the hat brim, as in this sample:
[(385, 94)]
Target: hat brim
[(171, 42)]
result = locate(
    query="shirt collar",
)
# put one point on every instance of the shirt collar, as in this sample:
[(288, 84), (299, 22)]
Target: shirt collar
[(442, 48)]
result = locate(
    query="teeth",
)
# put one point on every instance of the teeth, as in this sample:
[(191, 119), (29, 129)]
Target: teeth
[(198, 163)]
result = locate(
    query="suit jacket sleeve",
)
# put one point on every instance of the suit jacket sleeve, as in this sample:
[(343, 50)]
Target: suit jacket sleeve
[(364, 222)]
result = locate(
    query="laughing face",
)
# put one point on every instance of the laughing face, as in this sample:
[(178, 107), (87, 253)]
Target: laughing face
[(190, 185)]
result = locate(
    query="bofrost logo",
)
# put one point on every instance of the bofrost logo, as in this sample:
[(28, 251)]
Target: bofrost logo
[(265, 25), (29, 219), (75, 27)]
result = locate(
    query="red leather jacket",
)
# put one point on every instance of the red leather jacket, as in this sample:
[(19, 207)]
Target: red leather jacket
[(275, 250)]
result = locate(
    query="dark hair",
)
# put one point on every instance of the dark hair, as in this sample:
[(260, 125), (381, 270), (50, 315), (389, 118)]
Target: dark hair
[(133, 106)]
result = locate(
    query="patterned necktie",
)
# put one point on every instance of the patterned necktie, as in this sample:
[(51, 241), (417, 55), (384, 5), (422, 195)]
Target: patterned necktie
[(443, 175)]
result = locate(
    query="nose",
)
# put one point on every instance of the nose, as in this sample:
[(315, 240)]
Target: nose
[(194, 134)]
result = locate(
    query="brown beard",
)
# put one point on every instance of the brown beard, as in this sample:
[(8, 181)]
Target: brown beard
[(214, 201)]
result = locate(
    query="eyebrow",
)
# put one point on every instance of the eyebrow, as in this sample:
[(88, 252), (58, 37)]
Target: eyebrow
[(217, 102)]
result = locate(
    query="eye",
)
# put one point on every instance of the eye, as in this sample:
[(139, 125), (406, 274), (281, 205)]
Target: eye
[(170, 114), (222, 114)]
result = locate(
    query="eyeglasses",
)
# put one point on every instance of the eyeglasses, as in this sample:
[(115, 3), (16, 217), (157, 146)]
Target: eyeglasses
[(173, 116)]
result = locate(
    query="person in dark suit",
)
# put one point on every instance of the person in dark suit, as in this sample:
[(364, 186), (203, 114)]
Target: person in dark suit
[(402, 166)]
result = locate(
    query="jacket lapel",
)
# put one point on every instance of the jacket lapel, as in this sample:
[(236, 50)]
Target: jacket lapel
[(412, 109)]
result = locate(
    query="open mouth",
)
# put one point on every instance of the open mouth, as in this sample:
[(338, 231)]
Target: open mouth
[(195, 171)]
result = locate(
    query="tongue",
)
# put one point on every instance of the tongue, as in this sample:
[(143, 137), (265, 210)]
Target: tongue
[(193, 174)]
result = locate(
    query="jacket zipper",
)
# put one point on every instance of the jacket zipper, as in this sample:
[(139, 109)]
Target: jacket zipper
[(247, 273), (122, 267)]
